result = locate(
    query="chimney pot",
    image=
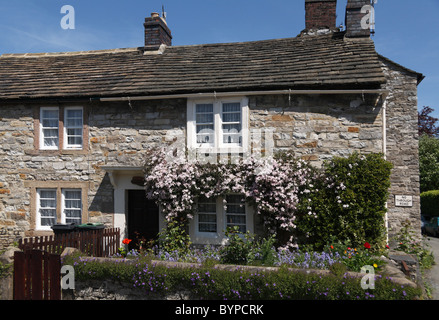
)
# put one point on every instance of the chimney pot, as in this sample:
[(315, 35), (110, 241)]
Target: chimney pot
[(157, 32)]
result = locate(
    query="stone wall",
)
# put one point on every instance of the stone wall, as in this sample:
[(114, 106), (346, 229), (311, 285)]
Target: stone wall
[(402, 145), (315, 127), (318, 127)]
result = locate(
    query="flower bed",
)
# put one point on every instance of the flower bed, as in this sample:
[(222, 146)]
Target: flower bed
[(160, 279)]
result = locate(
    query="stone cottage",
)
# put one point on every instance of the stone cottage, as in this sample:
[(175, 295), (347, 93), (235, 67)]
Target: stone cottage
[(74, 126)]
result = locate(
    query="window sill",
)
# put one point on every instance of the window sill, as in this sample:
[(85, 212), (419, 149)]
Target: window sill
[(58, 152), (221, 150)]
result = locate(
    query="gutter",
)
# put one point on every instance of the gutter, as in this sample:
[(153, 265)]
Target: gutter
[(240, 93)]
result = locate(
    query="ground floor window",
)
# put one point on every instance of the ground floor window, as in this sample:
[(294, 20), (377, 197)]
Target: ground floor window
[(215, 215), (69, 206), (55, 202)]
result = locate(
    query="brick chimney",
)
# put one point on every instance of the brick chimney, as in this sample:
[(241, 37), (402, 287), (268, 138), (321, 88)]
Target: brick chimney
[(156, 32), (353, 19), (320, 14)]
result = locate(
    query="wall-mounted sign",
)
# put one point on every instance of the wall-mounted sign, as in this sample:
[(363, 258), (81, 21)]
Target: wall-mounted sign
[(404, 201)]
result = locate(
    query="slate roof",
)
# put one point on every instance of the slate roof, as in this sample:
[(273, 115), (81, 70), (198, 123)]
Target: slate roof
[(310, 62)]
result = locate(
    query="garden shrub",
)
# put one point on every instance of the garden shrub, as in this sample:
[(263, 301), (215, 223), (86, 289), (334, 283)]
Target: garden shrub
[(348, 200), (238, 247), (244, 249), (430, 203), (174, 239)]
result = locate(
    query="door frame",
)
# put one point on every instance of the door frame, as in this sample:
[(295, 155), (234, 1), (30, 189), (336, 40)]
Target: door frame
[(120, 178)]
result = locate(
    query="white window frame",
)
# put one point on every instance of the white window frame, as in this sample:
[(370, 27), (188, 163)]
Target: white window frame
[(60, 206), (218, 146), (63, 204), (42, 146), (38, 218), (66, 145), (218, 237)]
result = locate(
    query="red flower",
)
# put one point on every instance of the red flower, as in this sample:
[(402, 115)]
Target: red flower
[(126, 241), (367, 245), (387, 246)]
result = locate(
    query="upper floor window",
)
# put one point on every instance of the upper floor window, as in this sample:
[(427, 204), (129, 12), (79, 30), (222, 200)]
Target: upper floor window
[(61, 128), (49, 123), (73, 128), (218, 126)]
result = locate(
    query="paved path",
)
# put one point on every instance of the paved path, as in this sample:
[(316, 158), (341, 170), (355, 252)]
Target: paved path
[(432, 275)]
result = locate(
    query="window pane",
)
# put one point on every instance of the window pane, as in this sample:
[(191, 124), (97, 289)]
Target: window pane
[(205, 118), (72, 206), (204, 108), (207, 207), (50, 114), (47, 207), (50, 123), (47, 222), (232, 107), (50, 142), (73, 123), (47, 203), (235, 198), (235, 139), (47, 194), (205, 134), (205, 129), (74, 113), (74, 140), (231, 117)]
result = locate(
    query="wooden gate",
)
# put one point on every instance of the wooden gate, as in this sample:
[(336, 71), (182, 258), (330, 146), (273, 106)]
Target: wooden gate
[(37, 275)]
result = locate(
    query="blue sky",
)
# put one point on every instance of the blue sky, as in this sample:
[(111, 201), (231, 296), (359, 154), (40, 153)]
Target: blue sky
[(406, 30)]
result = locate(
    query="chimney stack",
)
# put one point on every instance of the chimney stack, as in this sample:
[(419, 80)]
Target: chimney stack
[(320, 14), (156, 32), (354, 17)]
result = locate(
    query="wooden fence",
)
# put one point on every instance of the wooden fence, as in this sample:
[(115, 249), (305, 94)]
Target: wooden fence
[(97, 243), (37, 275)]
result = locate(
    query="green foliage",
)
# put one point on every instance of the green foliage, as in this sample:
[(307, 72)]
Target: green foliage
[(174, 238), (429, 162), (244, 249), (347, 202), (408, 243), (338, 269), (263, 252), (430, 203), (238, 247)]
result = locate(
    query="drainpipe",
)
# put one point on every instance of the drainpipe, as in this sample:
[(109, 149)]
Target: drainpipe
[(386, 218)]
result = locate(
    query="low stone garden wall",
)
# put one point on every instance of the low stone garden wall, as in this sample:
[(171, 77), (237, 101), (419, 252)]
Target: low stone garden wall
[(110, 289)]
